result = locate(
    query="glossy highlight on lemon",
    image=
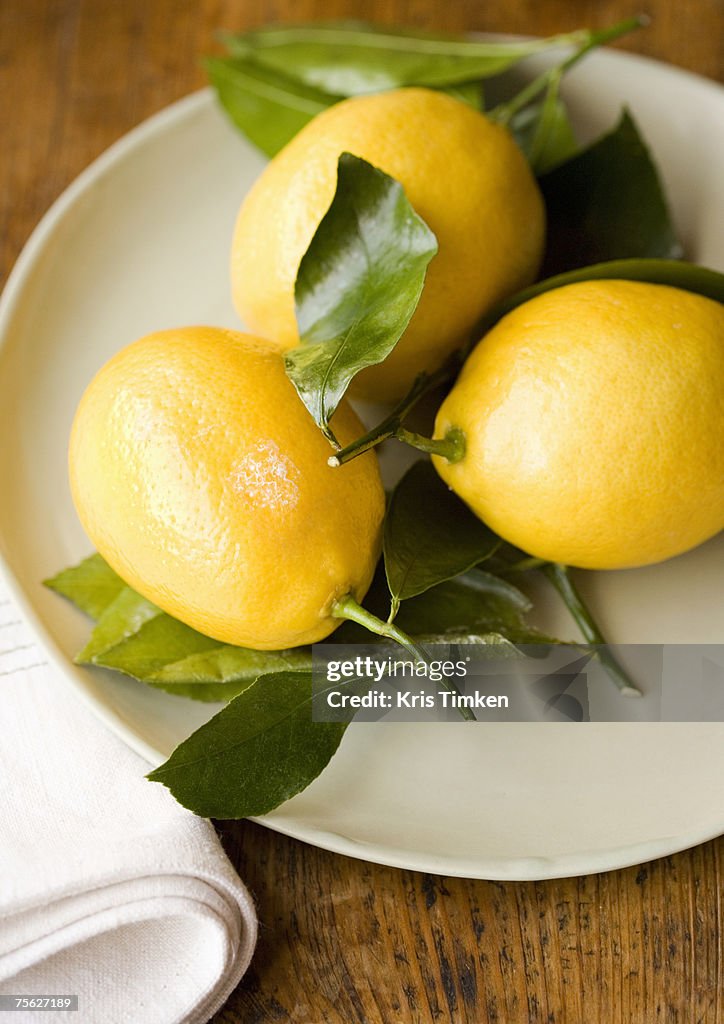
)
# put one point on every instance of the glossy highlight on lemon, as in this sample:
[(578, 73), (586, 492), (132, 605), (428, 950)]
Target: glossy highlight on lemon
[(463, 174), (593, 418), (200, 477)]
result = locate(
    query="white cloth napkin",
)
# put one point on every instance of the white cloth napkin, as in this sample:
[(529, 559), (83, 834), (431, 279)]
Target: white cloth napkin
[(108, 888)]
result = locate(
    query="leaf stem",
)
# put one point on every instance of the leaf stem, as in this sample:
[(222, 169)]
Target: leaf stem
[(347, 608), (329, 434), (423, 384), (560, 578), (505, 111), (336, 35), (526, 564), (450, 447)]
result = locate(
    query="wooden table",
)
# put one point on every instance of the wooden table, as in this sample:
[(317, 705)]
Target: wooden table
[(344, 941)]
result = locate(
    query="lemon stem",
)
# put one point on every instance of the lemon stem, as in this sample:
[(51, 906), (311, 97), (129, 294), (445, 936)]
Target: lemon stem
[(505, 111), (347, 608), (450, 447), (423, 384), (526, 564), (559, 576)]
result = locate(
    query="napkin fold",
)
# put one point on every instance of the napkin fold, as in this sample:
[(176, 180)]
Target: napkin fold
[(108, 888)]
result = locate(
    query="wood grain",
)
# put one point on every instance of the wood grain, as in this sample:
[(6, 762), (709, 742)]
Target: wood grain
[(343, 941)]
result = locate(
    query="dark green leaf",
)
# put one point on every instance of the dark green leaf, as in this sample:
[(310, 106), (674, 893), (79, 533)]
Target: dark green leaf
[(92, 585), (430, 534), (607, 203), (268, 108), (675, 273), (475, 603), (351, 58), (257, 752), (358, 284)]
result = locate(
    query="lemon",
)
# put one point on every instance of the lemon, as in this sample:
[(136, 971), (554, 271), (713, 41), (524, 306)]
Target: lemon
[(201, 478), (463, 175), (593, 421)]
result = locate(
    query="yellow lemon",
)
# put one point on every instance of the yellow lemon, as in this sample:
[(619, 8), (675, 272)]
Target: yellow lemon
[(203, 481), (463, 175), (593, 422)]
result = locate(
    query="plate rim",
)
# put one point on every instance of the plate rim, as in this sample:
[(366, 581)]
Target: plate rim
[(493, 868)]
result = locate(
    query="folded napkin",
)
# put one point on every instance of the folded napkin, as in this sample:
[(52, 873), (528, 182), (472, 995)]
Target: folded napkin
[(108, 888)]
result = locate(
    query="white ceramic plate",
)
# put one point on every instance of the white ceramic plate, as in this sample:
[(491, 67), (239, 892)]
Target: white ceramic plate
[(139, 242)]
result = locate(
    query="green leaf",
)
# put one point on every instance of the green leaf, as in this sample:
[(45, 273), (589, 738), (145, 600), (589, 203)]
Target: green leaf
[(207, 693), (352, 58), (120, 621), (257, 752), (135, 637), (675, 273), (476, 603), (268, 108), (430, 535), (501, 643), (544, 132), (225, 663), (606, 203), (467, 92), (358, 285), (92, 585)]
